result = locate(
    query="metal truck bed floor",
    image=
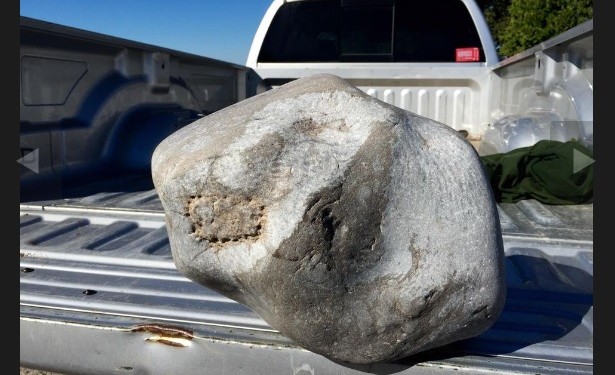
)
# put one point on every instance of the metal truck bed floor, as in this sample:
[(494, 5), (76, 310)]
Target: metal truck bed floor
[(103, 263)]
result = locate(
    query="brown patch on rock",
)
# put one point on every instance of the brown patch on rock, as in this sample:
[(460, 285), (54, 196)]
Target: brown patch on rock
[(228, 218), (307, 126)]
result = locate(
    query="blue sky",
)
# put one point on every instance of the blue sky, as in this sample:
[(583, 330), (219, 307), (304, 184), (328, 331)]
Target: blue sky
[(220, 29)]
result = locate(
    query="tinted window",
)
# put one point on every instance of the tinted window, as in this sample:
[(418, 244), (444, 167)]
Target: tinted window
[(366, 33), (303, 32), (430, 31), (370, 31)]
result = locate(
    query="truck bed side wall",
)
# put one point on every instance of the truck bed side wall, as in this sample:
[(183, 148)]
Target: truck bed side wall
[(92, 104)]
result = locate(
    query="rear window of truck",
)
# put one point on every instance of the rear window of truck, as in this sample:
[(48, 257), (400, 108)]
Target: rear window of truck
[(371, 31)]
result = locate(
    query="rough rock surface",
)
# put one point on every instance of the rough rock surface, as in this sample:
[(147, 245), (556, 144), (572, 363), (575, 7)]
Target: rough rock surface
[(361, 231)]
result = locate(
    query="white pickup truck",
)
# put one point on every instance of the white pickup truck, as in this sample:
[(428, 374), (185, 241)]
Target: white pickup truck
[(99, 292)]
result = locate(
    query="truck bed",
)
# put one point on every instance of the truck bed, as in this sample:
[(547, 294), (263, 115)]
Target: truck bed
[(100, 258)]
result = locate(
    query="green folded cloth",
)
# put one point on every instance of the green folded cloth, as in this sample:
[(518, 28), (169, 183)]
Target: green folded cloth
[(544, 171)]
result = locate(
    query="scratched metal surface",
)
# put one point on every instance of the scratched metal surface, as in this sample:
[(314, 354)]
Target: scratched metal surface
[(96, 267)]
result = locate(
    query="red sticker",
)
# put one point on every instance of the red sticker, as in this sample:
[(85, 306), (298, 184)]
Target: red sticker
[(467, 54)]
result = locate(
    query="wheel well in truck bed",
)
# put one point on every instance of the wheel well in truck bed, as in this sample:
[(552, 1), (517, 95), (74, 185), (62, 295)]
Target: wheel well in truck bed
[(125, 151)]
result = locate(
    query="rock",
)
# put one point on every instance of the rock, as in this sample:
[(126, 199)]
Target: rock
[(361, 231)]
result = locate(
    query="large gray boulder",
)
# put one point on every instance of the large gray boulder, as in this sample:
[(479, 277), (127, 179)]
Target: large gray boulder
[(359, 230)]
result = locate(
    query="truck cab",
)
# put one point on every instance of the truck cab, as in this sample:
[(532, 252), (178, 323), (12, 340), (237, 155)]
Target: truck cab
[(390, 31)]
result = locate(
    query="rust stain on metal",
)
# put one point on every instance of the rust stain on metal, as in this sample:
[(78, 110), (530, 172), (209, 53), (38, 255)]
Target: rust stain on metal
[(165, 331), (168, 335)]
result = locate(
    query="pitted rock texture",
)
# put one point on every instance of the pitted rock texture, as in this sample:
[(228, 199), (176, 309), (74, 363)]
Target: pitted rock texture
[(361, 231)]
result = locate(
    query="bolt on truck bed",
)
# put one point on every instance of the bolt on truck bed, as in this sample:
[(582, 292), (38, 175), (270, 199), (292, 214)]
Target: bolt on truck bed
[(99, 292)]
